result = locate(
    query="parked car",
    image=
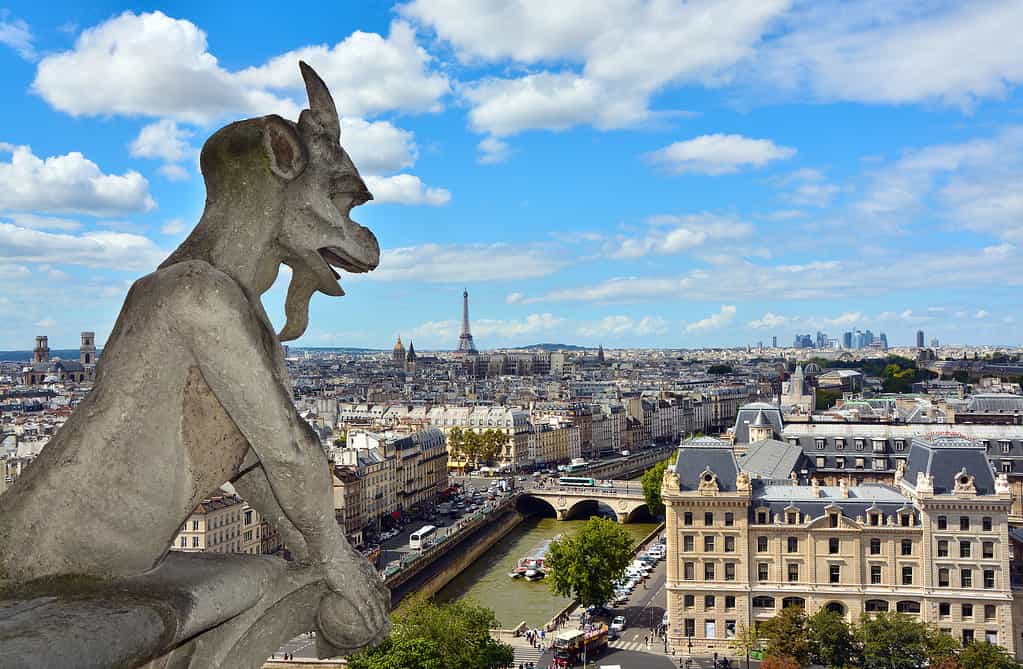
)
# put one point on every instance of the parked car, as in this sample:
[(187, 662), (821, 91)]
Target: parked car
[(618, 624)]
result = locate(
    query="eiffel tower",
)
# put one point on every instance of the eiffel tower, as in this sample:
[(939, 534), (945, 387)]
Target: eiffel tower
[(465, 343)]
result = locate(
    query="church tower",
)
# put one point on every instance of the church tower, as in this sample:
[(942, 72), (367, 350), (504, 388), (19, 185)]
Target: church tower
[(41, 353), (410, 359), (87, 353)]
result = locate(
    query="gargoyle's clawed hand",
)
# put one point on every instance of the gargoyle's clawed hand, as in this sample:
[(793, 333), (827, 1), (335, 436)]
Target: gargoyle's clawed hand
[(355, 613)]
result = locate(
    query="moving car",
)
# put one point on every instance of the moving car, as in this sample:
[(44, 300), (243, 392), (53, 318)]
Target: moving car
[(618, 625)]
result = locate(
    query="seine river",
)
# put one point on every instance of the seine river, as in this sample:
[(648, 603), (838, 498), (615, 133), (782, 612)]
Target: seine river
[(515, 600)]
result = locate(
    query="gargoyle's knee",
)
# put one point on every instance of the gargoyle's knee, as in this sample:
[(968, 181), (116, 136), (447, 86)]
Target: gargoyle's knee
[(349, 627)]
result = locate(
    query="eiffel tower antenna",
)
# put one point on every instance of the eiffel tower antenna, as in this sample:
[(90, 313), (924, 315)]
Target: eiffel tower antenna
[(465, 343)]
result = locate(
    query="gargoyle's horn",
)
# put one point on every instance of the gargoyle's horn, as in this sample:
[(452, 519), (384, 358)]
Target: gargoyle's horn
[(321, 104)]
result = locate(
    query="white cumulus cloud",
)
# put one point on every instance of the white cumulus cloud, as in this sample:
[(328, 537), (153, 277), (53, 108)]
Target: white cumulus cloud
[(154, 65), (68, 184), (717, 154), (714, 321), (405, 189), (100, 249)]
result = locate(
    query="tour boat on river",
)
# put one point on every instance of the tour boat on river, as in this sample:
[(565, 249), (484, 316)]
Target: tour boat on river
[(533, 567)]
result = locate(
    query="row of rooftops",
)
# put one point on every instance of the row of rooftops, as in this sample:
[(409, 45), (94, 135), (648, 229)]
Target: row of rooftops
[(938, 465)]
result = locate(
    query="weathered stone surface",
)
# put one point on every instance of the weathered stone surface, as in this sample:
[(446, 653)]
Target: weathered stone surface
[(192, 392)]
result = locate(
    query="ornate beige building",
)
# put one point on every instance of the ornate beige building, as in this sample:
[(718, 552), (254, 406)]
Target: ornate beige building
[(224, 524), (750, 535)]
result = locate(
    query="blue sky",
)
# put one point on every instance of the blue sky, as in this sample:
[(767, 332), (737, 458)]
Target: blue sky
[(628, 173)]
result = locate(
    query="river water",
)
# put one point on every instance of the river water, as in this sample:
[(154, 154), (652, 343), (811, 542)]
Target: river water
[(517, 600)]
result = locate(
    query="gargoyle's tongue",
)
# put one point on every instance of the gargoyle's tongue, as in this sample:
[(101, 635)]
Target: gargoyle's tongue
[(296, 306)]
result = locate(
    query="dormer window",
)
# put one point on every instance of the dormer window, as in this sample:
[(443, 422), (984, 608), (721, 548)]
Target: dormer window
[(859, 444), (900, 445), (840, 444), (820, 444), (875, 519), (791, 517)]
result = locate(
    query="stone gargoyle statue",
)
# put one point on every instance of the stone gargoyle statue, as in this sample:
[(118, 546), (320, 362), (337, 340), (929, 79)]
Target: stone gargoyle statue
[(192, 392)]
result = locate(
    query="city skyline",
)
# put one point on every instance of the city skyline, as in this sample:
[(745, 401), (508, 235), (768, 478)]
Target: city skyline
[(781, 170)]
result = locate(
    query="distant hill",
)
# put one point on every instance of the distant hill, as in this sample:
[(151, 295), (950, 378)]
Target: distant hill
[(552, 347), (26, 356)]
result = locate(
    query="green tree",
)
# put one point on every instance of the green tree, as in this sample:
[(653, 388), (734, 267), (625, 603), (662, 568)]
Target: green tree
[(437, 636), (455, 440), (897, 641), (401, 653), (827, 398), (786, 635), (491, 443), (586, 565), (651, 483), (979, 655), (941, 648), (744, 642), (831, 640)]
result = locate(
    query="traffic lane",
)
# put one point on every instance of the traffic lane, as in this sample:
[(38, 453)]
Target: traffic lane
[(646, 605)]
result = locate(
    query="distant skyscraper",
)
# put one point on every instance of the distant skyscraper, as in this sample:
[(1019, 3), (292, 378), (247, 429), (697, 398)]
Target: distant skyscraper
[(466, 346), (847, 340), (884, 341), (774, 341), (934, 342), (919, 338)]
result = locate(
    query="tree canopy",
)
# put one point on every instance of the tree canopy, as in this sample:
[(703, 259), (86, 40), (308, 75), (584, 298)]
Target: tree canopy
[(831, 640), (651, 482), (786, 636), (476, 447), (897, 641), (437, 636), (586, 564), (980, 655)]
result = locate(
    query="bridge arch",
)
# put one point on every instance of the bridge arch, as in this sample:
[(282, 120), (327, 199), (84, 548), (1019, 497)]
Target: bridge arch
[(532, 504)]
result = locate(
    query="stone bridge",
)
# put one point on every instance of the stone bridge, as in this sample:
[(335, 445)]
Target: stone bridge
[(625, 498)]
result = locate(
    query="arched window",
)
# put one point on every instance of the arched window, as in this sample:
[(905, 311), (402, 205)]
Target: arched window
[(876, 605), (798, 602), (763, 602), (908, 606), (836, 607)]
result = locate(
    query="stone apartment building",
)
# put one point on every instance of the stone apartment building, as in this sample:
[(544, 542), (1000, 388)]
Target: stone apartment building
[(513, 421), (349, 503), (378, 474), (222, 524), (554, 441), (749, 535)]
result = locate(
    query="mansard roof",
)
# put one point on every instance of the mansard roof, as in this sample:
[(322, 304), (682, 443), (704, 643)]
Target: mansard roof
[(944, 457), (697, 455)]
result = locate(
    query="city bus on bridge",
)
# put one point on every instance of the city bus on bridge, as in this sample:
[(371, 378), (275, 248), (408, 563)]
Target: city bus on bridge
[(577, 481)]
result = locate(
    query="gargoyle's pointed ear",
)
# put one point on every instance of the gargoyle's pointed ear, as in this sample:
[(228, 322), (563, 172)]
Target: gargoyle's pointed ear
[(321, 104), (283, 147)]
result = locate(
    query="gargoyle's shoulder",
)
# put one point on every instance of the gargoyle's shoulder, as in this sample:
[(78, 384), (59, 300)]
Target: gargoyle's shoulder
[(189, 283)]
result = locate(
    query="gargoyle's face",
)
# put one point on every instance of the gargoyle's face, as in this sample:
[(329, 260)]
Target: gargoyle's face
[(317, 233)]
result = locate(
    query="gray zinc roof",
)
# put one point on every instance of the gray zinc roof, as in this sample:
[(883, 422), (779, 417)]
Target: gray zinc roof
[(694, 457), (770, 459), (944, 458)]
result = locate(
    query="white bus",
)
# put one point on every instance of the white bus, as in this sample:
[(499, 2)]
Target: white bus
[(421, 538)]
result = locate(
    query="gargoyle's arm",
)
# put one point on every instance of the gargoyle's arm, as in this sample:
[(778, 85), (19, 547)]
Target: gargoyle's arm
[(234, 357)]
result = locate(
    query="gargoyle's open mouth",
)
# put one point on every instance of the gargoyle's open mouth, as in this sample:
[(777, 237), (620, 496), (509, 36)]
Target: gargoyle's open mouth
[(336, 257)]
